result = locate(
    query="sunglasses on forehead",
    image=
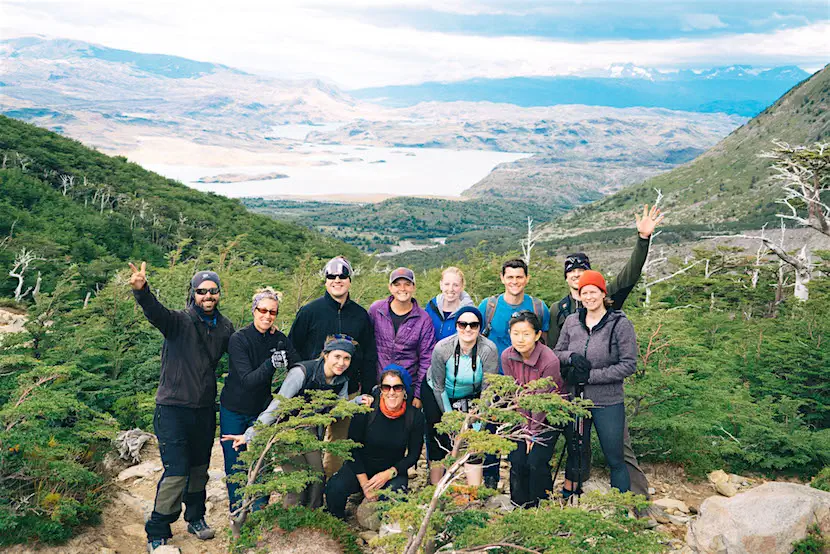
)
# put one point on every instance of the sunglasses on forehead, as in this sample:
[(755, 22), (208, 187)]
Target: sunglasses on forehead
[(264, 311), (386, 388), (343, 276), (341, 336), (212, 290), (471, 324)]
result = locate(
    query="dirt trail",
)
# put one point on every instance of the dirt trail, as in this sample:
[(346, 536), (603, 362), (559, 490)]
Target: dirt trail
[(122, 521), (12, 320)]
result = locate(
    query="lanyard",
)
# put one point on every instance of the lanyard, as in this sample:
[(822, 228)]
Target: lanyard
[(457, 360)]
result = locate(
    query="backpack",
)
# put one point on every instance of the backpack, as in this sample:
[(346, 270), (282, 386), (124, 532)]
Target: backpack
[(490, 311)]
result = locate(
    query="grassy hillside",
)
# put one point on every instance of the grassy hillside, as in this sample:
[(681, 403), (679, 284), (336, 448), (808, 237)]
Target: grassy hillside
[(729, 183), (115, 210), (376, 226)]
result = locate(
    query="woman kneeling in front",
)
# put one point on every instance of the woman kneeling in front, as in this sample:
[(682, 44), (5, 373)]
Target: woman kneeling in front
[(391, 436)]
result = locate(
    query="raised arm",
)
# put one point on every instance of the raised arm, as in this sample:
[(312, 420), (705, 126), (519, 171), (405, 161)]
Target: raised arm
[(159, 317), (623, 284)]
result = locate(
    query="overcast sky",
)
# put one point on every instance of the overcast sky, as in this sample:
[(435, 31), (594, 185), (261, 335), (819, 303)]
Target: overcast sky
[(379, 42)]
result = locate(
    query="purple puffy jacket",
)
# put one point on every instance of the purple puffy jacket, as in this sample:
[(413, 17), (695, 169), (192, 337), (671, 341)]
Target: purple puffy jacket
[(411, 347)]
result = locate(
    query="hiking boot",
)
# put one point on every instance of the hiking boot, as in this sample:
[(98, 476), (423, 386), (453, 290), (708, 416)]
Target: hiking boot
[(155, 543), (201, 529)]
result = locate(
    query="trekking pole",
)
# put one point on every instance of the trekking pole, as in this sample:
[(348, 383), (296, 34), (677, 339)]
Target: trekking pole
[(579, 427), (559, 463)]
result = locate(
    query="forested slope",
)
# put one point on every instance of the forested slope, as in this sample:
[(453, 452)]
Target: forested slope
[(732, 371), (69, 204)]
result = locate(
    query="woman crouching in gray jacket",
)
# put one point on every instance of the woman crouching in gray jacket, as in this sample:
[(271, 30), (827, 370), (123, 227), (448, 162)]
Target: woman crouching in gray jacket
[(598, 350)]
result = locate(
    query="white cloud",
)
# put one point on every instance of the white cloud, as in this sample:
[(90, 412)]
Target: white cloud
[(295, 39), (702, 22)]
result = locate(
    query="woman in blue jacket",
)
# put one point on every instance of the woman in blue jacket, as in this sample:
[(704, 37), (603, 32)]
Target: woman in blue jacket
[(443, 309)]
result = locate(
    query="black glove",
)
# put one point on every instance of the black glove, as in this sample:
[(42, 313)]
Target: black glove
[(580, 370), (279, 358), (565, 371)]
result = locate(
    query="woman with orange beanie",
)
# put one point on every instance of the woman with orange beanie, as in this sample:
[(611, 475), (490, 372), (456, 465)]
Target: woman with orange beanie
[(597, 349)]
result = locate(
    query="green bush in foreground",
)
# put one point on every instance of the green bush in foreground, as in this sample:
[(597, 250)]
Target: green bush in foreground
[(289, 519), (822, 480)]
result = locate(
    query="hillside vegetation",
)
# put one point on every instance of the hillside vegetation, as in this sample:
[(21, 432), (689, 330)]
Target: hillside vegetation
[(730, 182), (374, 227), (731, 370), (113, 210)]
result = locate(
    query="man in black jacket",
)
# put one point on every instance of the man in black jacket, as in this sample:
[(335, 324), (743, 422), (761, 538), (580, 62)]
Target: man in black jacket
[(618, 291), (336, 313), (185, 418)]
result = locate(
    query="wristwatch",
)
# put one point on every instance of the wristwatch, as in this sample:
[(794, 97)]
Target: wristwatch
[(394, 471)]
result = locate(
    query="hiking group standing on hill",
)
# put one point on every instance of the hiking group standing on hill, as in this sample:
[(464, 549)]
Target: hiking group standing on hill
[(409, 364)]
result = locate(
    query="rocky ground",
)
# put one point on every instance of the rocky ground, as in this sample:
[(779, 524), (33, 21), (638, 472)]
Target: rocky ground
[(122, 527)]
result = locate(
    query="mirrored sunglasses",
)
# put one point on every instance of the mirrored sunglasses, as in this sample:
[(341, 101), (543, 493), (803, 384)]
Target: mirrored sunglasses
[(212, 290)]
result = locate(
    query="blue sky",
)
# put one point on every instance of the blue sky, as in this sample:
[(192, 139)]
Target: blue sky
[(599, 20), (367, 43)]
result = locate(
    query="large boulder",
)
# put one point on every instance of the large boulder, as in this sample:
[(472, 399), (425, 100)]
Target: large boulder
[(768, 519)]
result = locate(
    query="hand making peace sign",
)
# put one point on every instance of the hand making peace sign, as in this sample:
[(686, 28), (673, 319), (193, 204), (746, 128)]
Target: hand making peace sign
[(139, 277)]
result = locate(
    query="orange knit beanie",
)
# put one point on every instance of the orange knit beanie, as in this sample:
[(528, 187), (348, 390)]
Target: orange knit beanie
[(591, 277)]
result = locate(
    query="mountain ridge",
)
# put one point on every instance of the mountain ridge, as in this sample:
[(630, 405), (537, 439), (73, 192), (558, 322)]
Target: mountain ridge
[(729, 182), (738, 90)]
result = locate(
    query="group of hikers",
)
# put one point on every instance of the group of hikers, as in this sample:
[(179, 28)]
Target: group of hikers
[(409, 364)]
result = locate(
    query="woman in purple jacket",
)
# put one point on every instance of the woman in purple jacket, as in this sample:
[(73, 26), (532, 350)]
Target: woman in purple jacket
[(403, 330), (528, 360), (598, 350)]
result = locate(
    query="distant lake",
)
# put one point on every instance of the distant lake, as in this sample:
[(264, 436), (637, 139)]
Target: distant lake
[(324, 169)]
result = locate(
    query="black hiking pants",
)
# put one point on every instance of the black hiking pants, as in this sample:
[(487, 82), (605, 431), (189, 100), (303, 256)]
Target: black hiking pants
[(185, 437)]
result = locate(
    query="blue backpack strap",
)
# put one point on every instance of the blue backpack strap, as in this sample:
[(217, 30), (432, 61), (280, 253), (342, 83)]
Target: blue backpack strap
[(489, 312)]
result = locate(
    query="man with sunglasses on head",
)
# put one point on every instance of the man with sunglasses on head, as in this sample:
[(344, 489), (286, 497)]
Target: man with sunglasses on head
[(335, 313), (195, 339), (617, 292)]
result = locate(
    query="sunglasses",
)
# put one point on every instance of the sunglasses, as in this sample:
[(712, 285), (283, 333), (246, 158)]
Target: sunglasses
[(341, 336), (343, 276), (212, 290), (522, 312), (471, 324), (264, 311), (386, 388)]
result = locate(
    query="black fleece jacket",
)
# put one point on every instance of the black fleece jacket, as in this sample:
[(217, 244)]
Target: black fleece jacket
[(247, 387), (386, 442), (325, 316), (190, 353)]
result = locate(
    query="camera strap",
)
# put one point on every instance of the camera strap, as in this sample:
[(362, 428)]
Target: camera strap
[(457, 363)]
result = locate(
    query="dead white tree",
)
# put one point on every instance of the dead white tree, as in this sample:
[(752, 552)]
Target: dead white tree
[(22, 260), (67, 181), (803, 173), (23, 161), (4, 243), (800, 262), (5, 160), (529, 241)]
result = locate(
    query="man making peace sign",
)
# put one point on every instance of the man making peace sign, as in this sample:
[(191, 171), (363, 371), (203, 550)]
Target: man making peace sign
[(195, 339)]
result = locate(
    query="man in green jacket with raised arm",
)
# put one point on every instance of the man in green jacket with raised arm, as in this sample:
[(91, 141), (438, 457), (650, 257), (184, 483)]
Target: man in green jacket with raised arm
[(618, 290)]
